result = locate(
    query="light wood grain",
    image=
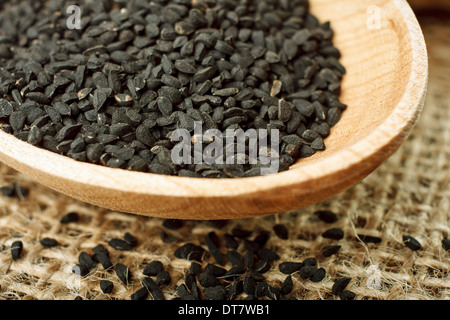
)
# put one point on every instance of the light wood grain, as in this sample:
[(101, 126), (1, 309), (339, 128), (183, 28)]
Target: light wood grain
[(385, 90)]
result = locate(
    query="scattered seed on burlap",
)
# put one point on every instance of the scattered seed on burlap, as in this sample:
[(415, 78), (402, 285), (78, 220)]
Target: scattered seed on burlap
[(70, 217), (307, 272), (268, 254), (123, 273), (446, 244), (101, 255), (281, 231), (212, 241), (189, 251), (173, 224), (290, 267), (153, 268), (411, 243), (340, 285), (130, 239), (368, 239), (85, 259), (49, 242), (235, 258), (230, 241), (16, 249), (106, 286), (8, 191), (153, 288), (167, 237), (14, 190), (140, 294), (319, 275), (326, 216), (218, 292), (328, 251), (334, 233), (310, 262), (347, 295), (119, 244), (163, 277), (287, 285)]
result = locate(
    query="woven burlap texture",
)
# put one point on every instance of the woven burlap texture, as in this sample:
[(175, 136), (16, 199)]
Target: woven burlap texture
[(408, 195)]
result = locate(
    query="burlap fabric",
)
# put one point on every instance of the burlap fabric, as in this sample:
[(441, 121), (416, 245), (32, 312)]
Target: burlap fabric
[(408, 195)]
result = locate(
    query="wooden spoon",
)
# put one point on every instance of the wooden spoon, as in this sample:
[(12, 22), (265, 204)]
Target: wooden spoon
[(385, 90)]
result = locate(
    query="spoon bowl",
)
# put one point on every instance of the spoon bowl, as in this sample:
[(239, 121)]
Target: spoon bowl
[(384, 52)]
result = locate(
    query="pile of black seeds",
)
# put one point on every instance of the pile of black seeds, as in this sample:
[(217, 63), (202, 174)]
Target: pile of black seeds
[(113, 92), (229, 264)]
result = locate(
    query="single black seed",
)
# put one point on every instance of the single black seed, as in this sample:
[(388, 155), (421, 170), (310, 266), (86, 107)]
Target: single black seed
[(340, 285), (123, 273), (368, 239), (163, 277), (240, 233), (167, 238), (104, 260), (261, 289), (173, 224), (207, 279), (153, 268), (326, 216), (267, 254), (16, 249), (307, 271), (281, 231), (328, 251), (347, 295), (263, 266), (106, 286), (261, 238), (49, 242), (70, 217), (287, 285), (85, 259), (218, 292), (119, 244), (189, 251), (446, 244), (411, 243), (140, 294), (183, 293), (249, 285), (334, 233), (310, 262), (8, 191), (234, 272), (319, 275), (215, 270), (195, 268), (290, 267), (153, 288), (230, 241), (212, 242), (130, 239), (235, 289), (235, 258)]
